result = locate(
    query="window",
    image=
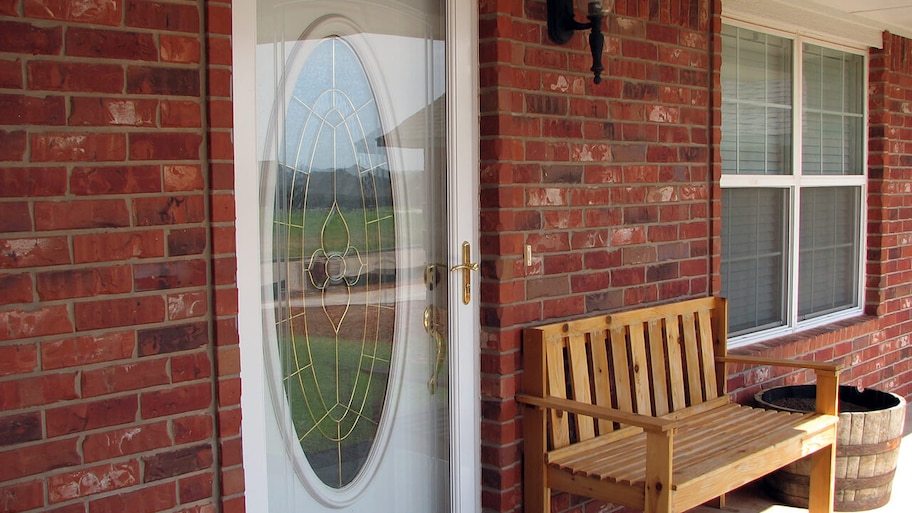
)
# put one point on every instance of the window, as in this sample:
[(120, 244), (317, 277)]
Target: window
[(793, 182)]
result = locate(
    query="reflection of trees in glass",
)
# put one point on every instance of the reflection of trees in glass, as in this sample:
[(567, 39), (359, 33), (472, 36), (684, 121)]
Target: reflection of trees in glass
[(334, 233)]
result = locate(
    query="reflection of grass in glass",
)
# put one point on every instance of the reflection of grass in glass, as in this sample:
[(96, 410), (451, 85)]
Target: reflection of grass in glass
[(368, 231), (361, 380)]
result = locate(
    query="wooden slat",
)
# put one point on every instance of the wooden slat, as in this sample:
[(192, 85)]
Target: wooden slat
[(692, 359), (588, 446), (621, 364), (657, 358), (600, 369), (640, 365), (580, 383), (710, 388), (557, 386), (675, 363)]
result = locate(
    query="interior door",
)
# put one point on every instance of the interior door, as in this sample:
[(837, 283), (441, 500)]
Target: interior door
[(355, 245)]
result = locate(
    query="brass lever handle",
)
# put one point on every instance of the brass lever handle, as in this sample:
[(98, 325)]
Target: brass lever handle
[(467, 266), (432, 327)]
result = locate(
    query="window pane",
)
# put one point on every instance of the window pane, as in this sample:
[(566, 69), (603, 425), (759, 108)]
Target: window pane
[(833, 112), (753, 249), (828, 259), (756, 106)]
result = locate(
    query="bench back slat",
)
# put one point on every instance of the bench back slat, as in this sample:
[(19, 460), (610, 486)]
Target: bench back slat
[(652, 361)]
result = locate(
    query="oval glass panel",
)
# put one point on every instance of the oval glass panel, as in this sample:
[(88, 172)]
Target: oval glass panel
[(334, 233)]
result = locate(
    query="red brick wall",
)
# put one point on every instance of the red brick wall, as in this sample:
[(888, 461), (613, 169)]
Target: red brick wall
[(119, 364), (615, 187)]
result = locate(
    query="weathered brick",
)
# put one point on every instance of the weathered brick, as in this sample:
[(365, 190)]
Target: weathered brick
[(111, 44), (192, 428), (221, 207), (35, 459), (176, 400), (115, 180), (191, 367), (119, 312), (71, 215), (75, 77), (165, 146), (37, 322), (32, 182), (15, 217), (163, 16), (179, 49), (22, 496), (170, 275), (86, 416), (91, 481), (147, 499), (12, 146), (34, 252), (125, 441), (20, 37), (37, 391), (162, 210), (98, 12), (18, 429), (69, 147), (187, 305), (125, 377), (189, 241), (195, 488), (164, 81), (114, 246), (17, 288), (11, 74), (181, 114), (19, 109), (174, 463), (79, 351), (172, 338), (18, 359), (87, 111), (183, 178), (84, 282)]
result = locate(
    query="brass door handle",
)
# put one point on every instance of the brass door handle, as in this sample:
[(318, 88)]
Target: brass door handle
[(467, 266), (432, 327)]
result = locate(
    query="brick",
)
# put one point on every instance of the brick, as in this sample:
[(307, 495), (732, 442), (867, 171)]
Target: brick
[(34, 252), (221, 207), (177, 462), (87, 111), (192, 428), (84, 282), (74, 215), (125, 377), (66, 147), (115, 180), (219, 50), (180, 49), (229, 361), (87, 416), (224, 271), (163, 16), (229, 392), (92, 481), (221, 145), (81, 351), (111, 44), (22, 496), (11, 74), (47, 320), (19, 429), (18, 359), (191, 367), (195, 488), (98, 12), (21, 182), (15, 217), (165, 146), (172, 338), (35, 459), (37, 391), (119, 312), (17, 288), (147, 499), (12, 146), (115, 246), (187, 305), (181, 114), (125, 441), (20, 37), (176, 400), (218, 18), (221, 114), (189, 241), (232, 481), (19, 109), (170, 275), (75, 77), (183, 178), (163, 210), (225, 301), (163, 81)]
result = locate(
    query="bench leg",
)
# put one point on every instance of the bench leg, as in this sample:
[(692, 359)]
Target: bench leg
[(822, 489), (659, 449), (536, 493)]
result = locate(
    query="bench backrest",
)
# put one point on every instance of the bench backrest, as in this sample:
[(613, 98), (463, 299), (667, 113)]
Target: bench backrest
[(652, 361)]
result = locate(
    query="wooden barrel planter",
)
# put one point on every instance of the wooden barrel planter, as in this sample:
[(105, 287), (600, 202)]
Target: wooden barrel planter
[(867, 447)]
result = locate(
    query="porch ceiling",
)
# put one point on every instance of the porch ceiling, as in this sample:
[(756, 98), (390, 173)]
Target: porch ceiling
[(892, 15)]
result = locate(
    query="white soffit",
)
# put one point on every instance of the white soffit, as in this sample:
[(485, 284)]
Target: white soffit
[(852, 22)]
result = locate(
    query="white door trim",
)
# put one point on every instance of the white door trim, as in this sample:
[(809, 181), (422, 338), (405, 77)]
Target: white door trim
[(464, 353)]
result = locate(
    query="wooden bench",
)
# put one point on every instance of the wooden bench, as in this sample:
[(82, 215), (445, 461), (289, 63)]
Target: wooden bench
[(631, 408)]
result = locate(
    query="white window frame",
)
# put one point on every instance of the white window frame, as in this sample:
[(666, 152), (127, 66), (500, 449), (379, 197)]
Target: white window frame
[(796, 180)]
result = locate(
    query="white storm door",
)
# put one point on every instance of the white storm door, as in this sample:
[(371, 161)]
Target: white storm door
[(360, 401)]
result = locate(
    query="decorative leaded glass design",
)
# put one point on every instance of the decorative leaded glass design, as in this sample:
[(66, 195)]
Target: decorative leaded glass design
[(334, 243)]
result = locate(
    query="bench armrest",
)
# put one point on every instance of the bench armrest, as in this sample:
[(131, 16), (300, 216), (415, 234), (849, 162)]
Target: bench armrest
[(646, 422), (825, 367)]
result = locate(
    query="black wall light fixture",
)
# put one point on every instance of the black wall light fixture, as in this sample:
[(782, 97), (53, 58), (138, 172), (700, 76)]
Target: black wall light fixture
[(562, 24)]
